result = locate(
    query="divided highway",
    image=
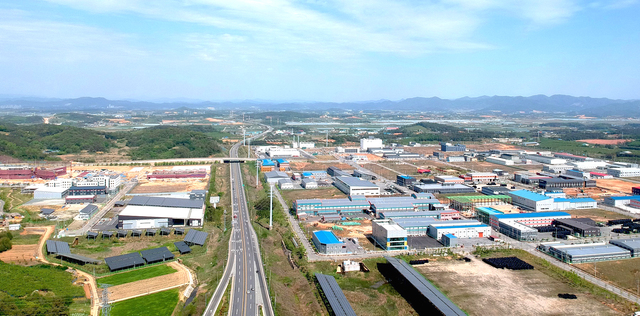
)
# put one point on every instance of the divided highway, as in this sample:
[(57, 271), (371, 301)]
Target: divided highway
[(249, 288)]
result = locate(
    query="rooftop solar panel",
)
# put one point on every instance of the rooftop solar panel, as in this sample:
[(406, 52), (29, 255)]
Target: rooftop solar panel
[(182, 247), (439, 300), (337, 301), (156, 254), (127, 261), (195, 237)]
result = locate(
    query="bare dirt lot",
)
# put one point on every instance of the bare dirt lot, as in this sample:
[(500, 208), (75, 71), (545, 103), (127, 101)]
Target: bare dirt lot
[(142, 287), (300, 166), (168, 186), (20, 254), (327, 193), (604, 141), (596, 214), (481, 289), (616, 185)]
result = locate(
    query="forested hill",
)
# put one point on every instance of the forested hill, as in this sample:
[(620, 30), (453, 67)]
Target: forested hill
[(46, 142), (427, 131)]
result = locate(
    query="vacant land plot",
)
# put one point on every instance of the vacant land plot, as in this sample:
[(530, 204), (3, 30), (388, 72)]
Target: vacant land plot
[(161, 304), (326, 193), (483, 166), (382, 171), (137, 275), (142, 287), (300, 166), (481, 289), (623, 273), (20, 254), (159, 187), (596, 214), (617, 185), (604, 141)]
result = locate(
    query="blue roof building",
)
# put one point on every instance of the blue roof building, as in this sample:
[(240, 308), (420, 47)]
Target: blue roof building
[(327, 243)]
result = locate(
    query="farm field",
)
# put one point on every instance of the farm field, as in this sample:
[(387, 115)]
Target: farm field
[(160, 304), (480, 289), (136, 275), (623, 273), (596, 214)]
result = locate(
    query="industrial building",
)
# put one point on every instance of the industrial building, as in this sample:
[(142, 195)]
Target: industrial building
[(315, 174), (337, 172), (89, 190), (561, 204), (572, 157), (500, 161), (267, 165), (283, 164), (470, 202), (364, 175), (494, 190), (446, 147), (620, 200), (556, 169), (333, 297), (578, 173), (631, 244), (80, 199), (443, 188), (439, 214), (46, 193), (87, 212), (404, 180), (318, 207), (309, 183), (577, 228), (389, 235), (455, 159), (635, 190), (402, 156), (285, 184), (448, 179), (414, 226), (25, 173), (482, 176), (327, 243), (484, 214), (272, 177), (174, 174), (586, 252), (283, 152), (531, 201), (528, 177), (562, 183), (520, 226), (546, 159), (401, 203), (460, 229), (356, 186), (624, 172), (366, 143), (154, 212)]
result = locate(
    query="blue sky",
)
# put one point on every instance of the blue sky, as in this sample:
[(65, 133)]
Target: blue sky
[(323, 50)]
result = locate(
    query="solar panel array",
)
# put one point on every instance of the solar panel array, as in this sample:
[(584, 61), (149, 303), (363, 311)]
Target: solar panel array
[(195, 237), (129, 260), (57, 247), (165, 231), (92, 234), (78, 258), (156, 254), (335, 296), (165, 202), (182, 247), (439, 300), (122, 233)]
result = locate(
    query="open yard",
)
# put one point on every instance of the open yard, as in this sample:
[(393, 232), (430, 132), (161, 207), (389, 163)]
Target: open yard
[(624, 187), (300, 166), (136, 275), (324, 193), (480, 289), (483, 166), (596, 214), (623, 273), (169, 186), (161, 304)]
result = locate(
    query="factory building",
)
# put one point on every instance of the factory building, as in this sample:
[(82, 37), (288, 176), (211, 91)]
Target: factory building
[(309, 183), (470, 202), (50, 193), (586, 252), (327, 243), (494, 190), (578, 174), (631, 244), (561, 204), (364, 175), (624, 172), (439, 214), (401, 203), (448, 179), (60, 183), (158, 174), (405, 181), (89, 190), (415, 226), (285, 184), (577, 228), (572, 157), (317, 207), (389, 235), (366, 143), (531, 201), (557, 169), (443, 188), (565, 182), (267, 165), (449, 147), (283, 164), (520, 226), (500, 161), (600, 175), (337, 172), (455, 159), (620, 200), (484, 214), (635, 190), (546, 159), (528, 177), (79, 199), (283, 152), (272, 177), (356, 186), (153, 212), (460, 229), (87, 212), (402, 156)]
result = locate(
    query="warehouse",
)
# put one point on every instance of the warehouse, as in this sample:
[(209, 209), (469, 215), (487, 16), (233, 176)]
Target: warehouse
[(330, 206), (588, 252), (556, 168), (283, 164), (337, 172), (174, 174), (631, 244), (50, 193), (401, 203), (87, 212), (620, 200), (455, 159), (80, 199), (309, 183), (267, 165), (577, 228), (499, 161), (356, 186), (285, 184), (405, 181), (470, 202), (441, 215), (494, 190), (600, 175), (624, 172), (89, 190), (327, 243), (415, 226), (546, 160), (482, 176), (315, 174), (572, 157), (561, 183), (531, 201), (460, 229), (561, 204), (528, 177), (578, 174), (520, 226), (402, 156), (272, 177), (443, 188), (153, 212), (364, 175), (389, 235), (448, 179)]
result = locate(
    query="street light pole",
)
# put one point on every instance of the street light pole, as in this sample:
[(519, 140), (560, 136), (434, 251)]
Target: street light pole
[(271, 208)]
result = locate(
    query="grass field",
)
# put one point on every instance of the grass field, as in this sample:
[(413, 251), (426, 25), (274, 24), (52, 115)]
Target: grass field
[(13, 198), (28, 239), (596, 214), (137, 275), (159, 304), (325, 193), (623, 273)]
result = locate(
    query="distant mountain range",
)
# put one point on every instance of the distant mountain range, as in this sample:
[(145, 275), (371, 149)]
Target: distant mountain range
[(598, 107)]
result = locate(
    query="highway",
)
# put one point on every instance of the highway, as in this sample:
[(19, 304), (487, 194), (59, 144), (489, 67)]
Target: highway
[(244, 267)]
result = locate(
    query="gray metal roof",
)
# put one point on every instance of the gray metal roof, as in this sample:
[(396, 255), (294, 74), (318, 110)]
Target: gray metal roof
[(587, 250), (129, 260), (182, 247), (77, 258), (165, 202), (356, 182), (156, 254), (630, 243), (47, 211), (430, 292), (89, 209), (337, 301), (195, 237), (92, 234), (57, 247)]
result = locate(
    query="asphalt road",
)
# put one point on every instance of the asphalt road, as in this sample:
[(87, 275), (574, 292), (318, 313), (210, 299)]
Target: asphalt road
[(249, 288)]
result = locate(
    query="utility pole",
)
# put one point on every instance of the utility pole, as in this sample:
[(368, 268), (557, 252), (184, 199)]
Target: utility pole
[(257, 171), (271, 208)]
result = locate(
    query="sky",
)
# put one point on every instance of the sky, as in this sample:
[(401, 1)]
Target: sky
[(319, 50)]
